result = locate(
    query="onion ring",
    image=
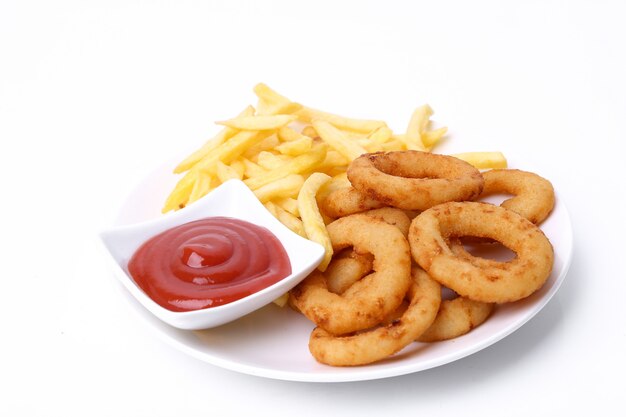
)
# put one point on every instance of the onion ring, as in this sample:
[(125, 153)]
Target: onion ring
[(381, 342), (491, 282), (533, 195), (414, 180), (393, 216), (348, 267), (370, 299), (455, 318), (346, 201), (345, 269)]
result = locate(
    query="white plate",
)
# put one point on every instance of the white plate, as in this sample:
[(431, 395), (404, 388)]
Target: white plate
[(273, 342)]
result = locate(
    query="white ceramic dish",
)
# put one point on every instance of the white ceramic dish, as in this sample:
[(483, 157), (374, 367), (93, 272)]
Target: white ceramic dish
[(273, 342), (231, 199)]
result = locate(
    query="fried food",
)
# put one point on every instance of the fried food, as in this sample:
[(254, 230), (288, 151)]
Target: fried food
[(311, 218), (354, 185), (346, 268), (368, 301), (483, 160), (380, 342), (349, 266), (345, 201), (455, 318), (533, 195), (393, 216), (414, 180), (491, 281)]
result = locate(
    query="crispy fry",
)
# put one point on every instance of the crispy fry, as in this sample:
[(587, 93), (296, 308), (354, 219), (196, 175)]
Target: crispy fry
[(287, 134), (282, 300), (310, 132), (288, 186), (201, 187), (483, 160), (223, 135), (289, 204), (432, 137), (292, 222), (270, 102), (297, 165), (381, 135), (295, 147), (271, 207), (338, 140), (308, 115), (333, 160), (394, 145), (369, 145), (269, 160), (259, 122), (263, 92), (417, 125), (252, 169), (227, 172), (311, 218), (180, 194), (231, 149), (267, 144)]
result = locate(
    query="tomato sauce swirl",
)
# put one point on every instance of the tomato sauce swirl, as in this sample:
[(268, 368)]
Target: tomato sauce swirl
[(208, 262)]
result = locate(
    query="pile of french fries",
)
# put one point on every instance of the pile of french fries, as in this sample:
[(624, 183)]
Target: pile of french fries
[(291, 155)]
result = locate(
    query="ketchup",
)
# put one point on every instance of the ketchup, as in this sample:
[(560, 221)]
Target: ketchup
[(208, 262)]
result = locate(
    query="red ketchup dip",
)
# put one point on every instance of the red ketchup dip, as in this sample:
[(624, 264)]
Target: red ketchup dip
[(208, 262)]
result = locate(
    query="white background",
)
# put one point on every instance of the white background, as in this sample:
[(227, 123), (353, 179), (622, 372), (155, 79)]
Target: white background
[(93, 96)]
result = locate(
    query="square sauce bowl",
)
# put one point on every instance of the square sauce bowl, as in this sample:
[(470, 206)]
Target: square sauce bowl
[(231, 199)]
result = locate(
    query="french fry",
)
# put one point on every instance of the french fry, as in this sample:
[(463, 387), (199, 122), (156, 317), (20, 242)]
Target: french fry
[(271, 207), (338, 140), (333, 163), (223, 135), (381, 135), (286, 218), (483, 160), (179, 196), (259, 122), (287, 134), (369, 145), (282, 300), (270, 96), (297, 165), (201, 187), (270, 161), (311, 218), (295, 147), (288, 203), (394, 145), (231, 149), (238, 166), (310, 132), (417, 125), (252, 169), (282, 108), (270, 102), (269, 143), (432, 137), (227, 172), (308, 115), (292, 222), (338, 181), (288, 186)]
